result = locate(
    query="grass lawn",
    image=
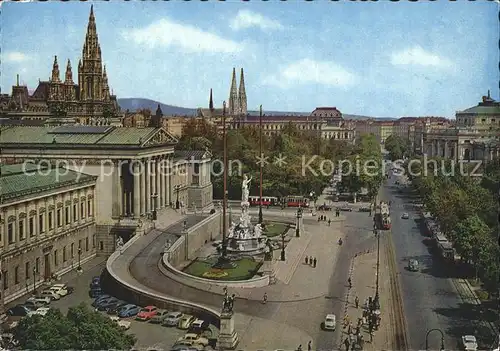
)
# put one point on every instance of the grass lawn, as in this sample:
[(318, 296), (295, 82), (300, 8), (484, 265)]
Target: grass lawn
[(275, 228), (245, 269)]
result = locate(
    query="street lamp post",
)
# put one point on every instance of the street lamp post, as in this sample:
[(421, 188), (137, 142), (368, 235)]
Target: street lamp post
[(427, 339), (224, 200), (297, 227), (261, 219), (177, 202), (153, 213), (79, 259), (34, 280), (186, 237), (283, 257), (376, 300)]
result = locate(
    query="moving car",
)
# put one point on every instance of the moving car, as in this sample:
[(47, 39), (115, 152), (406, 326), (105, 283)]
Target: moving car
[(159, 316), (59, 289), (185, 322), (125, 325), (365, 209), (146, 313), (346, 209), (172, 319), (194, 338), (413, 265), (330, 322), (19, 310), (469, 342), (42, 311), (39, 299), (405, 216), (128, 311), (51, 294)]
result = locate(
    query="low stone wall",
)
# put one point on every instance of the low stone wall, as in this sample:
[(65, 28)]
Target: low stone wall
[(143, 296)]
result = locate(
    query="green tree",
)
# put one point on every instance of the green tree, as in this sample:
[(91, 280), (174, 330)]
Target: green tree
[(81, 329), (397, 147)]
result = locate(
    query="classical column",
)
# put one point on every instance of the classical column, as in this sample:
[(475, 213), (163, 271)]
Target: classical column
[(158, 176), (455, 151), (446, 149), (148, 185), (116, 194), (137, 190), (163, 199), (168, 190), (143, 187)]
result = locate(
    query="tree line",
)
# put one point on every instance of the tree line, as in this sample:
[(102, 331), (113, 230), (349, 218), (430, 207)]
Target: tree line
[(467, 211), (295, 147)]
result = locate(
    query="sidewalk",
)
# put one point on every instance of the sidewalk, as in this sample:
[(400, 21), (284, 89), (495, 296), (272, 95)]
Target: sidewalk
[(363, 277)]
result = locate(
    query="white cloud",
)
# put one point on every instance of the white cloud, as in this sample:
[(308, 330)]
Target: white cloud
[(166, 33), (15, 56), (307, 71), (247, 19), (418, 56)]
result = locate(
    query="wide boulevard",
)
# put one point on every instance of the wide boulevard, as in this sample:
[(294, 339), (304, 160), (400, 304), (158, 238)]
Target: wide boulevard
[(429, 296)]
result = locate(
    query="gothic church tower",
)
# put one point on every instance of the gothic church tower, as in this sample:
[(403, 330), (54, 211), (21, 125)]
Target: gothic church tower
[(233, 97), (242, 96)]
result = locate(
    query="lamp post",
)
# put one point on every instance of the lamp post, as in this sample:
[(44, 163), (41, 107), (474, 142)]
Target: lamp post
[(283, 257), (79, 258), (186, 244), (153, 213), (34, 280), (261, 167), (427, 339), (297, 227), (224, 200), (177, 202), (376, 300)]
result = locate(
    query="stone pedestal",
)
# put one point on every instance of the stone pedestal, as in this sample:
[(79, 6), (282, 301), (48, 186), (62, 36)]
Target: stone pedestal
[(228, 338)]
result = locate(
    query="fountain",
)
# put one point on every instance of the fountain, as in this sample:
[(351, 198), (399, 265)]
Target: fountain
[(244, 237)]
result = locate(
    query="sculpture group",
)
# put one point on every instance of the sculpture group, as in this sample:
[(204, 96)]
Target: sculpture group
[(228, 302)]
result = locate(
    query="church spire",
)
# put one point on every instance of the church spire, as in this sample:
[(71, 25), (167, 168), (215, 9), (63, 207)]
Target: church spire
[(242, 95), (68, 79), (55, 72), (211, 101), (233, 96)]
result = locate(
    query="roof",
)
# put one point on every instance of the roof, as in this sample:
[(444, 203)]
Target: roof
[(83, 136), (196, 155), (23, 179), (482, 110)]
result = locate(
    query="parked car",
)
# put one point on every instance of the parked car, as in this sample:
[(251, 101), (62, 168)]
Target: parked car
[(330, 322), (172, 319), (199, 326), (128, 311), (125, 325), (19, 310), (53, 296), (33, 305), (413, 265), (185, 322), (100, 298), (159, 316), (346, 209), (42, 311), (469, 342), (96, 292), (186, 346), (59, 289), (95, 283), (113, 309), (40, 299), (105, 304), (146, 313), (194, 338), (70, 289)]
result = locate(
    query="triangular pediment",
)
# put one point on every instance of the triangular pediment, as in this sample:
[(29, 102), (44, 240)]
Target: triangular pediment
[(160, 137)]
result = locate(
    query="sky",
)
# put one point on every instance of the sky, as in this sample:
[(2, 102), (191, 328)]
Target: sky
[(381, 59)]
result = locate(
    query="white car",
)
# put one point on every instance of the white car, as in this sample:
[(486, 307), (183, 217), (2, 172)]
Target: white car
[(194, 338), (405, 216), (470, 343), (42, 311), (59, 289), (330, 322), (51, 294), (121, 323), (40, 299)]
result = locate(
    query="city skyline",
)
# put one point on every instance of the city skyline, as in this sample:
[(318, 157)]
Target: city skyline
[(424, 65)]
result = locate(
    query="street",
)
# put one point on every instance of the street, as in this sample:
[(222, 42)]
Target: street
[(429, 296)]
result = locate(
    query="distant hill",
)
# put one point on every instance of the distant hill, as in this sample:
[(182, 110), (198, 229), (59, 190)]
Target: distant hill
[(134, 104)]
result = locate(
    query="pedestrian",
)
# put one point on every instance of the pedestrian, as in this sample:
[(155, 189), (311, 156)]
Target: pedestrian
[(319, 218), (346, 320), (349, 282), (264, 300), (307, 260), (314, 262), (310, 260), (346, 344), (329, 222), (357, 330), (299, 348), (363, 320), (309, 345), (349, 329), (356, 301), (371, 336)]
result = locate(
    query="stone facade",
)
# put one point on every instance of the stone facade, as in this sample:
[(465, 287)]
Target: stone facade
[(46, 228)]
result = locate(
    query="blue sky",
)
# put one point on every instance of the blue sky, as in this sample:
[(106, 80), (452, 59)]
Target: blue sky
[(378, 59)]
